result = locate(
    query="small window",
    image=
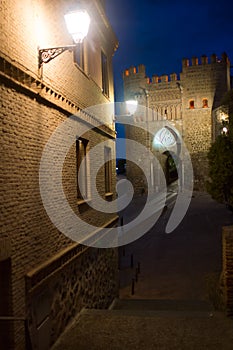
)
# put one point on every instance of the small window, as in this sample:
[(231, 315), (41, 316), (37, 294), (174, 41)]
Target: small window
[(82, 175), (191, 104), (105, 82), (204, 103), (108, 169), (79, 55)]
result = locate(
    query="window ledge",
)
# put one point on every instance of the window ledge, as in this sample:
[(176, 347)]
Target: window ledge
[(106, 96), (82, 70), (193, 109), (108, 194), (83, 201)]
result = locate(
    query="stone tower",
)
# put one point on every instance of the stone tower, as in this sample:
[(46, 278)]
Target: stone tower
[(187, 101)]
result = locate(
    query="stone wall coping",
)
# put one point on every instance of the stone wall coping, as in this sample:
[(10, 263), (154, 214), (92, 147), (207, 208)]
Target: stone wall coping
[(42, 272)]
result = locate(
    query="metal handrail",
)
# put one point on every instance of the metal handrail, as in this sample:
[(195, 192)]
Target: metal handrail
[(12, 318)]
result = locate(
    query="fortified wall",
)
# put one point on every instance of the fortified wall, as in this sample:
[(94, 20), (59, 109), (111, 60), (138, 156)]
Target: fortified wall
[(187, 100)]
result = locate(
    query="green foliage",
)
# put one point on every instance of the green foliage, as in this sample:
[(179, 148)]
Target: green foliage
[(221, 170), (220, 158)]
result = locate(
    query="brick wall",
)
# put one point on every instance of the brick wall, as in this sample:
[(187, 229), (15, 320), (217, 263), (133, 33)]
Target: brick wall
[(33, 104), (27, 125), (25, 25)]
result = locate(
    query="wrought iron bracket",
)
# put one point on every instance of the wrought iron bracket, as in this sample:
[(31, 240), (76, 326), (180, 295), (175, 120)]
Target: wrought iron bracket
[(46, 55)]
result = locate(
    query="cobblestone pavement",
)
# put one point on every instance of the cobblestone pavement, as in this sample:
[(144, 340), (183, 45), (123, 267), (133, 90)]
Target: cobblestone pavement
[(178, 265)]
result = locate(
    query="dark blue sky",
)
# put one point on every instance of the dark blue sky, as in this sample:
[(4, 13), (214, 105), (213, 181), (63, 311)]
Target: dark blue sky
[(159, 33)]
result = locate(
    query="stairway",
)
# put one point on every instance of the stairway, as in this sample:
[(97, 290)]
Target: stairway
[(150, 325)]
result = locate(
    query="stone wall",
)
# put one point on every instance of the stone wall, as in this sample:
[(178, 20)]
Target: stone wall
[(77, 278), (227, 273), (188, 99)]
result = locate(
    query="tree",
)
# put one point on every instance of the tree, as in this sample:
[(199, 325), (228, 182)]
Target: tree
[(220, 158)]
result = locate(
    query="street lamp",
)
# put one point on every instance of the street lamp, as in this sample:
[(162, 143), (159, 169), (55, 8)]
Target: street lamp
[(131, 106), (224, 130), (77, 23)]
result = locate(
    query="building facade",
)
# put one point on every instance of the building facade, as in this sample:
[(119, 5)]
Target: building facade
[(45, 277), (187, 102)]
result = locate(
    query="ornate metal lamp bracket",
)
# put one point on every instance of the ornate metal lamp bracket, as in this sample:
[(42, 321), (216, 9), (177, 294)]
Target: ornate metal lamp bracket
[(46, 55)]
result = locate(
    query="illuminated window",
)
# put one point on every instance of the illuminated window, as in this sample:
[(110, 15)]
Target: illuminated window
[(204, 103), (81, 157), (105, 82), (134, 70), (191, 104), (108, 169), (127, 73)]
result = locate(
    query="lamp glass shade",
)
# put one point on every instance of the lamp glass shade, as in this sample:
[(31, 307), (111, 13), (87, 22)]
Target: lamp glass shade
[(131, 106), (78, 23), (225, 130)]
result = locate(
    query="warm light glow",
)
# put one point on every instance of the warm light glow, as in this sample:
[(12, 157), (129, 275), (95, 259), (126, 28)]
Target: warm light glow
[(131, 106), (191, 104), (78, 24), (223, 116), (205, 103)]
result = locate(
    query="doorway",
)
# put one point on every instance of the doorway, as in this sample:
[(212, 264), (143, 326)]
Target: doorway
[(6, 326)]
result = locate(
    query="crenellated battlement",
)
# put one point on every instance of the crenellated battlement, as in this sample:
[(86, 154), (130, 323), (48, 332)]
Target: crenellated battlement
[(164, 78), (141, 69), (205, 60), (139, 72)]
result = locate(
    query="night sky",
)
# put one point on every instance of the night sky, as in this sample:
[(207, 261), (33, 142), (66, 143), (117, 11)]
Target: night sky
[(159, 33)]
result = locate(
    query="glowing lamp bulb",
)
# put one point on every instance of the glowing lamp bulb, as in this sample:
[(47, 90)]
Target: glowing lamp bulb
[(132, 106), (78, 23), (224, 130)]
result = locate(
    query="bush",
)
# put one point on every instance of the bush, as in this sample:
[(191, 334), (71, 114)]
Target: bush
[(220, 158)]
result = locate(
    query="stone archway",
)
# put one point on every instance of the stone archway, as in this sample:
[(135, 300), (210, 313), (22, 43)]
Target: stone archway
[(168, 143)]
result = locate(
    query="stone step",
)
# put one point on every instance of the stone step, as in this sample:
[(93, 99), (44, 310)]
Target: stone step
[(147, 330), (160, 304), (151, 313)]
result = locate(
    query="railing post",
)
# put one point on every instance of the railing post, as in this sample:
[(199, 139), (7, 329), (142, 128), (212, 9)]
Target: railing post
[(131, 260), (132, 287)]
